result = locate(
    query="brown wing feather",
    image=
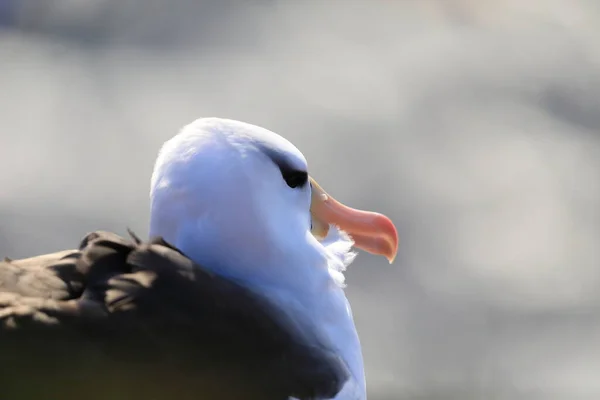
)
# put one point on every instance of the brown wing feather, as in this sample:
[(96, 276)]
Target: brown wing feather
[(121, 319)]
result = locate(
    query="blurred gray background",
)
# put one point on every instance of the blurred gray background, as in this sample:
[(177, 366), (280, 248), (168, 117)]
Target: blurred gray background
[(473, 124)]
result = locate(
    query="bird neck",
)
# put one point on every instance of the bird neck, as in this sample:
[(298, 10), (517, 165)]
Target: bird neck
[(297, 275)]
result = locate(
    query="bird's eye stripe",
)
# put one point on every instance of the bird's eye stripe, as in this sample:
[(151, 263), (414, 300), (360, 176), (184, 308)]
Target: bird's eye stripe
[(293, 177)]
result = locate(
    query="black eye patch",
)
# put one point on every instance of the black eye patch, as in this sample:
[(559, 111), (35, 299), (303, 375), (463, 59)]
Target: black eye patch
[(294, 178)]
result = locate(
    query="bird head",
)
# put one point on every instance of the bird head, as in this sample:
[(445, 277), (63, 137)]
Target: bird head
[(228, 193)]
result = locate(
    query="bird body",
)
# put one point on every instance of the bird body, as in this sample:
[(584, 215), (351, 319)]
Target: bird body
[(235, 202)]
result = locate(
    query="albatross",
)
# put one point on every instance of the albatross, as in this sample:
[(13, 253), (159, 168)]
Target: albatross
[(237, 294)]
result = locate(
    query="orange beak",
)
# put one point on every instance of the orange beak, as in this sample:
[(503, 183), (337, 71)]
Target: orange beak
[(372, 232)]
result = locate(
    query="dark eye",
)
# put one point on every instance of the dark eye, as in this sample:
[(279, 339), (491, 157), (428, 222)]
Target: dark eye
[(294, 178)]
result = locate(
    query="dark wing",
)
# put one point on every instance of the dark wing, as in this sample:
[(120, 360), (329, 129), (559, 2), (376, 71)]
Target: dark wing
[(122, 319)]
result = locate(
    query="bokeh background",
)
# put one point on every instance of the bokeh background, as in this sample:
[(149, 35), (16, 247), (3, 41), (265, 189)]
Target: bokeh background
[(473, 124)]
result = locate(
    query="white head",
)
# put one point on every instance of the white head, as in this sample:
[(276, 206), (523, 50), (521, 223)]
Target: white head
[(238, 200)]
